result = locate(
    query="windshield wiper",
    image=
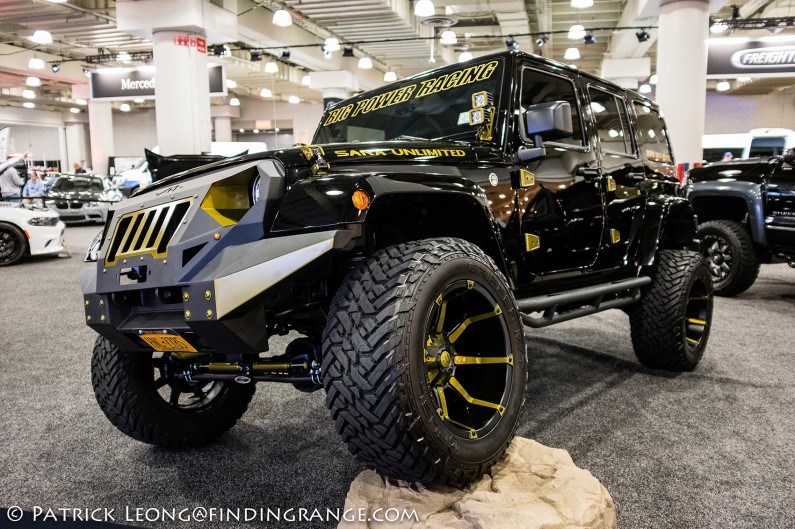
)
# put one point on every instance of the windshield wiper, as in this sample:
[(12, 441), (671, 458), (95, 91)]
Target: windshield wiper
[(410, 138)]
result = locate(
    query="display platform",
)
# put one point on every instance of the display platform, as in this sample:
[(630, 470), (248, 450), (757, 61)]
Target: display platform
[(535, 486)]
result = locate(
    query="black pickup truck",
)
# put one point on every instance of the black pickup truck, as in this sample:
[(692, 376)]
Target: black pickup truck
[(429, 221), (746, 214)]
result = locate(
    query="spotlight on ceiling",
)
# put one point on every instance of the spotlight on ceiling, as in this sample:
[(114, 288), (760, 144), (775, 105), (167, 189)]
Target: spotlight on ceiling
[(285, 54), (282, 17), (347, 52), (540, 41), (424, 8), (642, 35), (56, 67), (86, 71), (511, 44), (589, 38), (256, 56)]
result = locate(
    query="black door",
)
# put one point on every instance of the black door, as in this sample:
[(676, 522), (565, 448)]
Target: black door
[(561, 213)]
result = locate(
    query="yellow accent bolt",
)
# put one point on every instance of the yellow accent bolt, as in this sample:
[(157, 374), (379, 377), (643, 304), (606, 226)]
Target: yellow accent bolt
[(88, 318), (165, 261), (185, 296), (124, 261), (104, 270), (102, 318), (209, 314), (101, 302), (196, 195), (208, 295), (142, 258), (216, 236), (88, 303), (187, 314), (172, 197)]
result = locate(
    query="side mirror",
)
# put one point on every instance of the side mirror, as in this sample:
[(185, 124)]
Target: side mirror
[(789, 157), (550, 121)]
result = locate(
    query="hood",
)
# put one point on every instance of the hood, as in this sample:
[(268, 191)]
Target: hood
[(299, 161)]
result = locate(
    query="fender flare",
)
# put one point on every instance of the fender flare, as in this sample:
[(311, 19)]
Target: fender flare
[(749, 192)]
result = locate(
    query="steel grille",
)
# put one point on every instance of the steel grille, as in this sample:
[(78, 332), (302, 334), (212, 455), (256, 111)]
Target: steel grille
[(147, 231)]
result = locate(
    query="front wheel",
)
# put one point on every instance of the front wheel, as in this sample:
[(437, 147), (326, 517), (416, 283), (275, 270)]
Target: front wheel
[(730, 255), (424, 362), (12, 244), (141, 394), (671, 323)]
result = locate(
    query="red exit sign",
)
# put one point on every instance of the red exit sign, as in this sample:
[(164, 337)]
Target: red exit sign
[(191, 41)]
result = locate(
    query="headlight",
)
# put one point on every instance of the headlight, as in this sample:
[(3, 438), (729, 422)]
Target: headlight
[(93, 204), (43, 221), (92, 255), (255, 188)]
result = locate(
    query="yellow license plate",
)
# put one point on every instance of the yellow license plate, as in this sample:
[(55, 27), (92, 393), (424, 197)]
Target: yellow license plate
[(166, 341)]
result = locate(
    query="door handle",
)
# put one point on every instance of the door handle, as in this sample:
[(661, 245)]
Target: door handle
[(589, 173), (636, 177)]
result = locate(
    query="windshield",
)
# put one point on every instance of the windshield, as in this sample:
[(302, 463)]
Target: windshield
[(431, 107), (81, 185)]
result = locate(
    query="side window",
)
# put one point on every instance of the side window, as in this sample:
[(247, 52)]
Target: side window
[(652, 138), (610, 117), (539, 87)]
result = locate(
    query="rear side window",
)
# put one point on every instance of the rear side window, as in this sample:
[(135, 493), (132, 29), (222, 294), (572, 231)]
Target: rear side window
[(540, 87), (652, 138), (610, 117)]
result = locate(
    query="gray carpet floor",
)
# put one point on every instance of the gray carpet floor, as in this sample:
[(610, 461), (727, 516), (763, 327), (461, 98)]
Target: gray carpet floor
[(710, 449)]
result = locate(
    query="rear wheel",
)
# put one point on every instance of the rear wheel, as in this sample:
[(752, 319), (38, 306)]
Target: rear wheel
[(141, 394), (671, 323), (730, 255), (13, 244), (424, 362)]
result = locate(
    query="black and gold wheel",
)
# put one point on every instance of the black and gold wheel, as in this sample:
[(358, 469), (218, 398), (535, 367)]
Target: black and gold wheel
[(424, 362), (143, 397), (729, 252), (671, 323)]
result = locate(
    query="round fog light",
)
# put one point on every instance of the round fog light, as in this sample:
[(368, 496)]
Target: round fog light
[(361, 200)]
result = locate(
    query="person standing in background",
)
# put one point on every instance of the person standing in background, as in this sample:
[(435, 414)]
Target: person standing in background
[(78, 169), (727, 156), (34, 188), (10, 182)]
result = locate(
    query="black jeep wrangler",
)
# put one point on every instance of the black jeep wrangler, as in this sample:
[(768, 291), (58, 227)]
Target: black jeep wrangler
[(746, 214), (430, 220)]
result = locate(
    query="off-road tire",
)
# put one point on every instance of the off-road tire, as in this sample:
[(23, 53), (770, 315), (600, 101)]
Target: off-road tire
[(14, 241), (124, 387), (664, 334), (374, 356), (744, 267)]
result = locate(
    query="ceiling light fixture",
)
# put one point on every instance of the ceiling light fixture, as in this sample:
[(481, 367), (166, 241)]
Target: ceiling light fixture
[(125, 107), (123, 57), (57, 1), (265, 92), (572, 54), (306, 80), (35, 63), (139, 100), (234, 102), (448, 38), (719, 27), (282, 18), (33, 81), (331, 44), (653, 79), (723, 86), (577, 32), (365, 63), (81, 102), (642, 35), (86, 71), (424, 8), (255, 131), (581, 4), (28, 104), (241, 131), (744, 80), (74, 110), (511, 44), (390, 77), (41, 37), (231, 83), (271, 67), (644, 89), (465, 56), (28, 94), (293, 100)]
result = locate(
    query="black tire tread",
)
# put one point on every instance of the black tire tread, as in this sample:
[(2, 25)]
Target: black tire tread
[(114, 377), (746, 261), (363, 391), (657, 328), (22, 240)]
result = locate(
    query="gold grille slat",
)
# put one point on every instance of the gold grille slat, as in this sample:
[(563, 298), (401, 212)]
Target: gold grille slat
[(134, 231)]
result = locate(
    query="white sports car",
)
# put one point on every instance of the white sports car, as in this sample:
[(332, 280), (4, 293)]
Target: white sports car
[(28, 230)]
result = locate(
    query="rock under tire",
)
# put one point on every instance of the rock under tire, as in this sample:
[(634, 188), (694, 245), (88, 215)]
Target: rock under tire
[(745, 260), (124, 388), (671, 323), (382, 403)]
